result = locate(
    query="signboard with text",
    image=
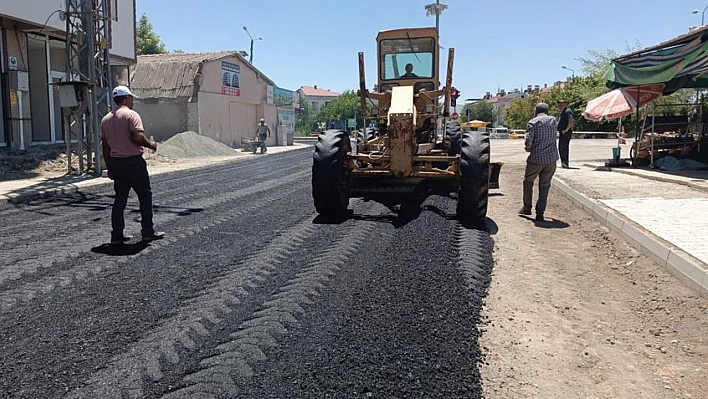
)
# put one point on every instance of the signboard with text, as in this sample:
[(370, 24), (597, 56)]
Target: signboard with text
[(230, 79)]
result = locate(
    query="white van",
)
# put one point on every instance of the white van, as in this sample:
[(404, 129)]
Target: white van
[(499, 133)]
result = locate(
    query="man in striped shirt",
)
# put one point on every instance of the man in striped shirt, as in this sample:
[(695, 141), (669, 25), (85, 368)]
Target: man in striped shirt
[(543, 153)]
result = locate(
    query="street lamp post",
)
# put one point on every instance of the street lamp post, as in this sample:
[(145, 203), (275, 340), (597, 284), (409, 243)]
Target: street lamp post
[(703, 14), (570, 69), (250, 57)]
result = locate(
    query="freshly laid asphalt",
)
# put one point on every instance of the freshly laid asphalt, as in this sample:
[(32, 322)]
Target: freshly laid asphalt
[(662, 214)]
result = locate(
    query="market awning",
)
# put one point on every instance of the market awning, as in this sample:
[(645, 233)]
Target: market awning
[(679, 63)]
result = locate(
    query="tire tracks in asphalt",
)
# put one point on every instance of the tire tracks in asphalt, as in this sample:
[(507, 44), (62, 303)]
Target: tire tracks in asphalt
[(73, 220), (82, 270), (143, 361)]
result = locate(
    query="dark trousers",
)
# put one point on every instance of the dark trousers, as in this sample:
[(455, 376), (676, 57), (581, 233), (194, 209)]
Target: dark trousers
[(262, 139), (545, 175), (130, 173), (564, 147)]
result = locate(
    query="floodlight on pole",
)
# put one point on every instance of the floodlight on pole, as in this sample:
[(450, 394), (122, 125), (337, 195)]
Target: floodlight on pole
[(250, 54), (435, 9)]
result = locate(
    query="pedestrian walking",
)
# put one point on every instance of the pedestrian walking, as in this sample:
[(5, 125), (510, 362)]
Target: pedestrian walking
[(123, 139), (540, 143), (566, 122), (262, 133)]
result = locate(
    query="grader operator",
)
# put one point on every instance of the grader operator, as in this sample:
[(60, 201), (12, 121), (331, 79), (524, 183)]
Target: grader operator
[(405, 154)]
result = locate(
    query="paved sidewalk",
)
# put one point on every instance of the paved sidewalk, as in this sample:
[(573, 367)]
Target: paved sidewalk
[(663, 215)]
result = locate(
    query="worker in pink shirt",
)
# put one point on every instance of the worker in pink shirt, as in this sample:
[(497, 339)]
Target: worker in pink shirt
[(123, 140)]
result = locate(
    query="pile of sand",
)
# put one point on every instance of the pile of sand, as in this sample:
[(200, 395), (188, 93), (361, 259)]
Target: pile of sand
[(192, 145)]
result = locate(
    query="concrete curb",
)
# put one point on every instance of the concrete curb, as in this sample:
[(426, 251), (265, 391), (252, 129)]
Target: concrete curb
[(690, 271)]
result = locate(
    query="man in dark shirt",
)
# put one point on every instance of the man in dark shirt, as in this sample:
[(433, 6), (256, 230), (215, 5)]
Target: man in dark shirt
[(409, 72), (540, 143), (565, 132)]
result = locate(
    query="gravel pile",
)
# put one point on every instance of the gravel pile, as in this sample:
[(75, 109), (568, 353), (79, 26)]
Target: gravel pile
[(191, 145)]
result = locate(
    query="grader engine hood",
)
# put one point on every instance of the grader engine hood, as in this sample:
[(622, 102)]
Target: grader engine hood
[(401, 127)]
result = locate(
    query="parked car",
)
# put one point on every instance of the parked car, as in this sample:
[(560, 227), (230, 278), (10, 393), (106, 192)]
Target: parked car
[(517, 134)]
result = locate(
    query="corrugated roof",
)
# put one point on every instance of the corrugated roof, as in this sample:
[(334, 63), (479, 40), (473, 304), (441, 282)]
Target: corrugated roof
[(172, 75), (315, 92)]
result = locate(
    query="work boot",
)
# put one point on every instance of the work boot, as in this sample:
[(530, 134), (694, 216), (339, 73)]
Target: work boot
[(156, 235), (524, 211), (120, 240), (539, 217)]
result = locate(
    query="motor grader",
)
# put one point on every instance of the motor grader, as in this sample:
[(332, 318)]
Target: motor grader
[(412, 150)]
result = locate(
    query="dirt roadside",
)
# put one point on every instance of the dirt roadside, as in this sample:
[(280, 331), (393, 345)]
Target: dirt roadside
[(574, 312)]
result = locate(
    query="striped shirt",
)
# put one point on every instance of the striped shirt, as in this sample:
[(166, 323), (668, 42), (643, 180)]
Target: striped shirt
[(541, 138)]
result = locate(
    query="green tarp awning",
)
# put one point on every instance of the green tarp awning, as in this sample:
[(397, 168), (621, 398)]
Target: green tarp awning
[(678, 63)]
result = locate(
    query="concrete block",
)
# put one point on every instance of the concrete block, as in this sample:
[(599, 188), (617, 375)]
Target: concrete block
[(614, 221), (633, 236), (600, 212), (656, 249), (703, 289), (689, 271)]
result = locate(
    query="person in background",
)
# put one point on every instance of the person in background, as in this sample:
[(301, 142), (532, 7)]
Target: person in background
[(565, 132), (540, 143), (123, 139), (262, 133)]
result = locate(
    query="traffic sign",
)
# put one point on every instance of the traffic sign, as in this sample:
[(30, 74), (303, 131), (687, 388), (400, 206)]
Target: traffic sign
[(454, 115)]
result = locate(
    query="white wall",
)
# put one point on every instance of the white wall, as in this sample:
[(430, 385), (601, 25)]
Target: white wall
[(37, 12)]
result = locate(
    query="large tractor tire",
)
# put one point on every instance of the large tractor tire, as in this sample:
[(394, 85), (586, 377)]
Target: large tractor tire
[(330, 186), (474, 177), (453, 134), (366, 134)]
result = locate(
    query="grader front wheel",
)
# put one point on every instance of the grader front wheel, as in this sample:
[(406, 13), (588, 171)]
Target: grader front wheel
[(329, 177), (473, 190)]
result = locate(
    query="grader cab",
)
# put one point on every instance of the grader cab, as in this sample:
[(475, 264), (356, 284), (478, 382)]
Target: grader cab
[(412, 150)]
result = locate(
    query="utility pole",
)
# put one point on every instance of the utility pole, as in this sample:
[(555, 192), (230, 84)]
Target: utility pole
[(89, 68)]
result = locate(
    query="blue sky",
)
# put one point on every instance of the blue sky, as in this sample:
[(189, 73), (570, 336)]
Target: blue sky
[(498, 44)]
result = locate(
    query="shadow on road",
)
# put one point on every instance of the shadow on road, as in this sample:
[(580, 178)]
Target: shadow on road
[(120, 249), (547, 223)]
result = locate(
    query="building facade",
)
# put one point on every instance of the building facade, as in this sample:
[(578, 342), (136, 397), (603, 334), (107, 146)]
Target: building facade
[(316, 97), (33, 56), (218, 95)]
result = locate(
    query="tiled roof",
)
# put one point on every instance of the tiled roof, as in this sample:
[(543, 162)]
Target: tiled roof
[(172, 75), (315, 92)]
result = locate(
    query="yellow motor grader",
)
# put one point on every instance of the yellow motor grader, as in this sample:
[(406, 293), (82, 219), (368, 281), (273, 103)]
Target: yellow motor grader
[(412, 149)]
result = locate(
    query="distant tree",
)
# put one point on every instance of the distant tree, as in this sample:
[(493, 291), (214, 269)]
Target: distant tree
[(518, 113), (146, 40), (177, 51), (305, 118), (345, 106), (480, 111)]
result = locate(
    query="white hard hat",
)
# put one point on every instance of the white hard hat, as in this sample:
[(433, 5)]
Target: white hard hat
[(120, 91)]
